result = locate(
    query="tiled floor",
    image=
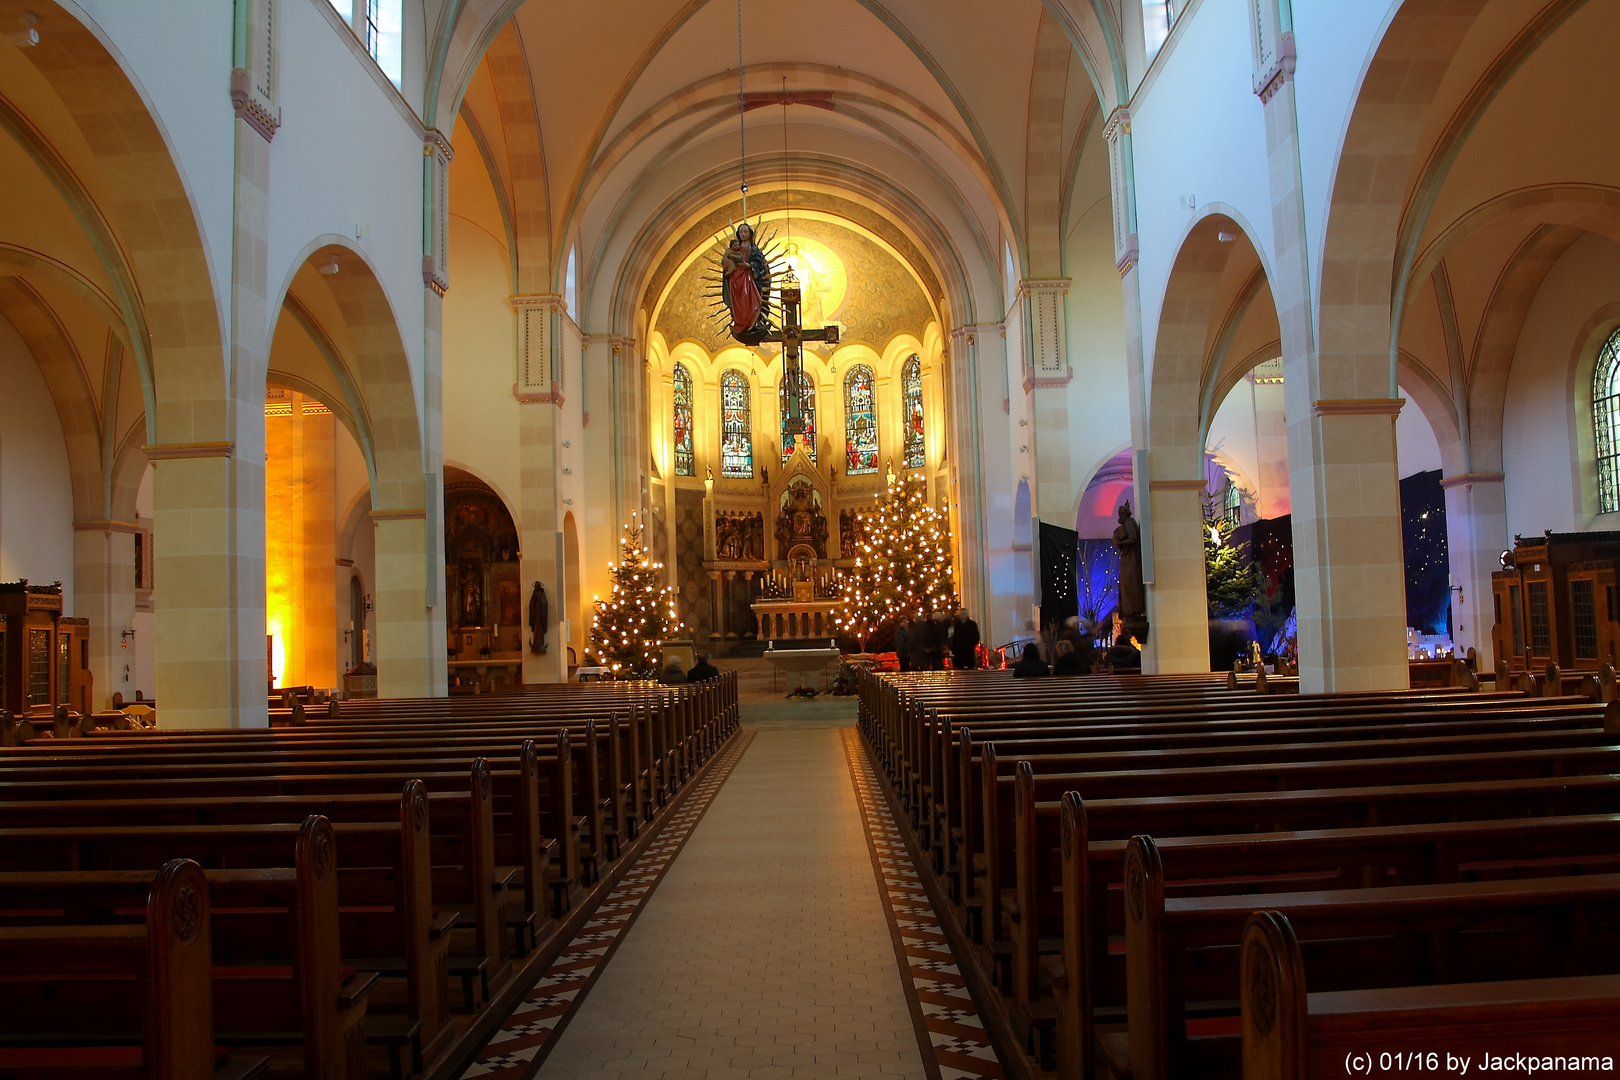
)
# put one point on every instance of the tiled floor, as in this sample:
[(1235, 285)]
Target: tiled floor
[(775, 927), (765, 951)]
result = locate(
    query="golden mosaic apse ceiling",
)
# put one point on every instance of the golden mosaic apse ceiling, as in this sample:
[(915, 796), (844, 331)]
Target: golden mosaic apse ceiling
[(845, 277)]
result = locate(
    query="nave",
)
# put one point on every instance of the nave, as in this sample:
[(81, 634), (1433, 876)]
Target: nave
[(1094, 878)]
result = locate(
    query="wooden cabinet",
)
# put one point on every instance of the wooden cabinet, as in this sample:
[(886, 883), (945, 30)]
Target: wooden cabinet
[(44, 658), (1556, 602)]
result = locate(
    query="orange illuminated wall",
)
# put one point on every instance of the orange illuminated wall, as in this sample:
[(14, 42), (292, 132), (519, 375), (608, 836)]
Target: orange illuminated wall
[(300, 549)]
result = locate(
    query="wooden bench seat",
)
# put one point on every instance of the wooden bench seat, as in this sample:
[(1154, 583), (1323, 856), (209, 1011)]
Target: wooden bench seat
[(1292, 1033), (1181, 952), (1086, 976), (277, 961), (118, 1001)]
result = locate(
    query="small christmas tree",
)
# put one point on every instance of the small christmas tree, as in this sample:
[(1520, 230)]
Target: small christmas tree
[(902, 562), (632, 624), (1233, 585)]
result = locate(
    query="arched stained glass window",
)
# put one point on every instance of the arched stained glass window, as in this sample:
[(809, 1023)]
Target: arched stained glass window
[(736, 426), (684, 463), (1606, 423), (911, 394), (807, 394), (860, 422)]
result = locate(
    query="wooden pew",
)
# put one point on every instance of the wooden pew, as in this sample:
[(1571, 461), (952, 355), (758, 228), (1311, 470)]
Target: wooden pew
[(278, 973), (1291, 1033), (1086, 976), (74, 994), (1181, 961), (532, 794), (1011, 814), (402, 937)]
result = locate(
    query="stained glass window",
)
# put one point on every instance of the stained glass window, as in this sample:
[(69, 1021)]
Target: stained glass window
[(684, 464), (1606, 423), (807, 394), (911, 393), (860, 422), (736, 426)]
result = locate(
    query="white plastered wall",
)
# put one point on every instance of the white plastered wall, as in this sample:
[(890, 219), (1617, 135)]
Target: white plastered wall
[(36, 487), (1541, 431)]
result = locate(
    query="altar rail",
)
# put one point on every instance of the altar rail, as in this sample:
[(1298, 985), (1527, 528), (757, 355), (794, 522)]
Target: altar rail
[(791, 620)]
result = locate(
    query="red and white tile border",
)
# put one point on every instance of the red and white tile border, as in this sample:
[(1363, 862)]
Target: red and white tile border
[(953, 1040), (518, 1047)]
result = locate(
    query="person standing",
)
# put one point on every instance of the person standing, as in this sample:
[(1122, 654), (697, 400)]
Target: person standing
[(964, 642), (902, 643), (922, 641)]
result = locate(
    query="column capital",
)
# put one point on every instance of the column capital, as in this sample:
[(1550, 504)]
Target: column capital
[(1357, 406), (179, 451), (1470, 479), (1281, 69)]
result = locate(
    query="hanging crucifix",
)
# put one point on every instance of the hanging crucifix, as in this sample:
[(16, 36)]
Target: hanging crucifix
[(792, 336), (744, 304), (743, 288)]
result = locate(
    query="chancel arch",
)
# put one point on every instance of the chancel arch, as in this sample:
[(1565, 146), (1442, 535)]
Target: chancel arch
[(767, 516)]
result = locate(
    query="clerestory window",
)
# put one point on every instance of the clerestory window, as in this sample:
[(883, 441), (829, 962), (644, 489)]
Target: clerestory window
[(1606, 423)]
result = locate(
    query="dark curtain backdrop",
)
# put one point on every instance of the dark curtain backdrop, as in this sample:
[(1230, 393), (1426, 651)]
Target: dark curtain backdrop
[(1058, 548), (1428, 561)]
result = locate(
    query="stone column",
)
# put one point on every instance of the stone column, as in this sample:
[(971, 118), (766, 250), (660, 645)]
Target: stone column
[(1476, 534), (104, 593), (539, 392), (1047, 374), (208, 483), (1178, 600), (1341, 403), (407, 648)]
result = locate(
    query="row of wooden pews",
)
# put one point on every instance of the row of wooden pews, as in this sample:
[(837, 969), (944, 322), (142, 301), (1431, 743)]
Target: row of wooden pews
[(1166, 877), (371, 890)]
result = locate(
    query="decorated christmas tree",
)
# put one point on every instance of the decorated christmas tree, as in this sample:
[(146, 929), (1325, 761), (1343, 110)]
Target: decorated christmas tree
[(632, 624), (1229, 575), (902, 561)]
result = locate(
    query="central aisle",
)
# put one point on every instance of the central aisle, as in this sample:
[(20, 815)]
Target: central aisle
[(765, 945)]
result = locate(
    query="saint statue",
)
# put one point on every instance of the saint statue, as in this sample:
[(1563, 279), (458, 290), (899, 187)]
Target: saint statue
[(1128, 539), (472, 598), (539, 619), (747, 281)]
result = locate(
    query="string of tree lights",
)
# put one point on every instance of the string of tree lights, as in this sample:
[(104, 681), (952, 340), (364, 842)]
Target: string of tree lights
[(1229, 574), (632, 624), (902, 562)]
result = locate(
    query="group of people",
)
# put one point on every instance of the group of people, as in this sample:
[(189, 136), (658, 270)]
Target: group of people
[(702, 671), (921, 643), (1074, 653)]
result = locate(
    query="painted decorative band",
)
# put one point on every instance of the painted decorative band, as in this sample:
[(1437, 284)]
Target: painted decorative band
[(1470, 478), (177, 451), (1358, 406), (1177, 485), (397, 515)]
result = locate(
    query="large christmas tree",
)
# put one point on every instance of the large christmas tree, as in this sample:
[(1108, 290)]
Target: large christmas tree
[(633, 623), (1229, 574), (902, 562)]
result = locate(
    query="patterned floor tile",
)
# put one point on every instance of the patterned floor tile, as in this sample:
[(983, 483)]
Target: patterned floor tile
[(517, 1049), (952, 1037)]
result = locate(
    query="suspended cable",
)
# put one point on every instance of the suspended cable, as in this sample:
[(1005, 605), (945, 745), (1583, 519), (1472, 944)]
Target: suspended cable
[(742, 124)]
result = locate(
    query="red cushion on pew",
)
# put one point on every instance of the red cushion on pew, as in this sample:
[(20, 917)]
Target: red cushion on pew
[(82, 1057), (1214, 1026), (269, 972)]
